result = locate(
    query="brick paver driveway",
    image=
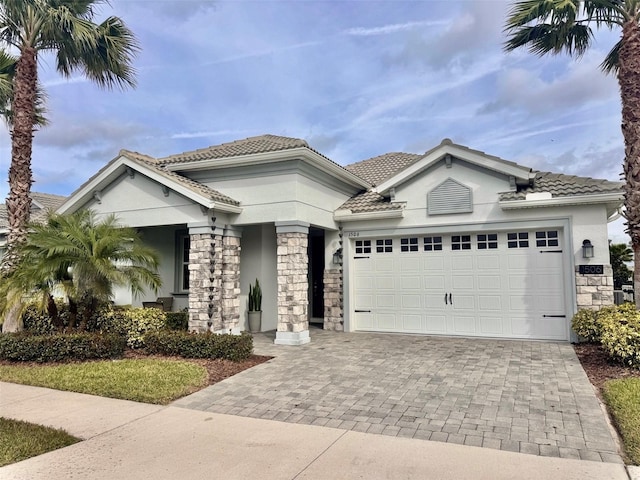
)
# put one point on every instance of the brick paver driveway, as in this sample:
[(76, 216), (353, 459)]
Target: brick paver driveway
[(529, 397)]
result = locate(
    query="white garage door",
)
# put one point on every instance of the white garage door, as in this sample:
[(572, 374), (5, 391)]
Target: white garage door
[(503, 284)]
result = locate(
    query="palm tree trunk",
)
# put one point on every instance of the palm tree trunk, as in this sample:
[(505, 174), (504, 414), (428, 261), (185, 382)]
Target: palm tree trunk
[(629, 80), (20, 175)]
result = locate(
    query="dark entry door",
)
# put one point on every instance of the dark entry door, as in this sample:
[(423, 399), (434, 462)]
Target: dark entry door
[(316, 268)]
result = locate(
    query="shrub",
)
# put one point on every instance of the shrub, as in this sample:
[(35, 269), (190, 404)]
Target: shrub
[(200, 345), (36, 321), (620, 333), (60, 346), (587, 325), (177, 320), (132, 323)]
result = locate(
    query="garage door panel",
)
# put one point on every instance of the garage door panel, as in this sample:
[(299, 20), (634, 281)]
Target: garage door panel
[(499, 292)]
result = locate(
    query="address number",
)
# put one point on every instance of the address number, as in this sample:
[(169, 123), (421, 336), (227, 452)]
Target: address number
[(353, 234), (591, 269)]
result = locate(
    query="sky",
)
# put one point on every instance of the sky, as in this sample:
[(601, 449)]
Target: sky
[(355, 79)]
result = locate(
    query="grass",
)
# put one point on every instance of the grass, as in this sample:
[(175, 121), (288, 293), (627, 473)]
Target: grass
[(140, 380), (623, 399), (22, 440)]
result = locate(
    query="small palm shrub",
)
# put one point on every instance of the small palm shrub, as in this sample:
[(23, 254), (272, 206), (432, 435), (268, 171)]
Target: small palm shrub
[(132, 323)]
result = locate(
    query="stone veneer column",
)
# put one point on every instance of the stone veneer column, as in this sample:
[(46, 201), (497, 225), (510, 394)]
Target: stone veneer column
[(205, 276), (594, 291), (333, 319), (293, 283), (231, 280)]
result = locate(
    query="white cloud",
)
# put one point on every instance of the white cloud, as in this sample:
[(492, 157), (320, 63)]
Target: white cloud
[(393, 28)]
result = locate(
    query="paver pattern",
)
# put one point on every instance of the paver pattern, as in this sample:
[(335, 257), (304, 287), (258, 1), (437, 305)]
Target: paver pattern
[(521, 396)]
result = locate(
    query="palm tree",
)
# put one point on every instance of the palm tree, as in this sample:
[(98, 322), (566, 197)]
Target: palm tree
[(102, 52), (82, 258), (556, 26)]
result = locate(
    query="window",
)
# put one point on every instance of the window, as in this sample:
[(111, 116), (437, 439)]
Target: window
[(432, 244), (384, 245), (547, 239), (182, 262), (363, 246), (409, 244), (518, 240), (461, 242), (487, 240)]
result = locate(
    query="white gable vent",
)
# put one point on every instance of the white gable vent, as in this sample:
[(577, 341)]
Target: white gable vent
[(450, 196)]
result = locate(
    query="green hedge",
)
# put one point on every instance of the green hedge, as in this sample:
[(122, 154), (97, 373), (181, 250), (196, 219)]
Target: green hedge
[(586, 324), (132, 323), (60, 346), (199, 345), (177, 320), (620, 333)]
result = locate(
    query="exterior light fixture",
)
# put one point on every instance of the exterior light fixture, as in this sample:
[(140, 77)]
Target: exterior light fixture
[(337, 257), (587, 249)]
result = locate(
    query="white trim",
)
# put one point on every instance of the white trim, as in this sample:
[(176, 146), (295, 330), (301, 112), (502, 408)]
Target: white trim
[(457, 152), (348, 216), (301, 153), (292, 338), (562, 201), (292, 226), (118, 167)]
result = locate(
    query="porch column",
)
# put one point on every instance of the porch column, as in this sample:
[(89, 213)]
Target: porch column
[(231, 280), (594, 291), (293, 283), (332, 278), (205, 277)]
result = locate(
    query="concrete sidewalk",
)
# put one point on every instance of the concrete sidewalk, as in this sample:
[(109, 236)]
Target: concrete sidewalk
[(128, 440)]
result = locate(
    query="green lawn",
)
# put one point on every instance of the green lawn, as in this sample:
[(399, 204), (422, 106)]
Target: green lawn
[(22, 440), (623, 399), (140, 380)]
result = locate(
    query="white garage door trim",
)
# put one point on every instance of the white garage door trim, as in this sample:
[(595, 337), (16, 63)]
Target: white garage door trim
[(475, 285)]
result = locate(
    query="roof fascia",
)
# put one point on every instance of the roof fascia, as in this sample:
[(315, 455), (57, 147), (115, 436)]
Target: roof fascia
[(302, 153), (348, 216), (601, 198), (117, 167), (434, 156)]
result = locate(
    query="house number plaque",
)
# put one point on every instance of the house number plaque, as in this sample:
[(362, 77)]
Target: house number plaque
[(591, 269)]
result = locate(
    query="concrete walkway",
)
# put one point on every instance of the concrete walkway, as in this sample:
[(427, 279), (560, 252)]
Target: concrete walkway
[(520, 396), (127, 440)]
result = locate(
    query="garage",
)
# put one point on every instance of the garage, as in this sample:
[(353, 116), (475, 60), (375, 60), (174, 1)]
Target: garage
[(504, 284)]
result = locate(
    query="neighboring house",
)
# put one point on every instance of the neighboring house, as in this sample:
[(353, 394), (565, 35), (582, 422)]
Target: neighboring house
[(450, 242), (41, 204)]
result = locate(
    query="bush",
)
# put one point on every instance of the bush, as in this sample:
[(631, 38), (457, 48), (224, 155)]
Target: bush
[(58, 347), (620, 333), (132, 323), (587, 325), (177, 320), (36, 321), (200, 345)]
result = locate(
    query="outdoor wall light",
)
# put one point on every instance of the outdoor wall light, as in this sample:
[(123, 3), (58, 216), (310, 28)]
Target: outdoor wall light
[(337, 257), (587, 249)]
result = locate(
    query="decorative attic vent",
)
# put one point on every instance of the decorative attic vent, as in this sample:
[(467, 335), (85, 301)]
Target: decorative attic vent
[(450, 196)]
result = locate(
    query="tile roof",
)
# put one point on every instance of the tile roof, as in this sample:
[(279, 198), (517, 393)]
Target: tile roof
[(41, 204), (247, 146), (194, 186), (377, 169), (368, 201), (561, 185)]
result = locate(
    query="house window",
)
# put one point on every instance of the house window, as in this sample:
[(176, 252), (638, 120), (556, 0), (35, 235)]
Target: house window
[(432, 244), (182, 263), (487, 240), (409, 244), (363, 246), (518, 240), (461, 242), (384, 245), (547, 239)]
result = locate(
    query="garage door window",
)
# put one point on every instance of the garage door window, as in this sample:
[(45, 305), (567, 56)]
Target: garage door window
[(518, 240), (547, 239), (487, 240), (384, 245), (461, 242), (432, 244), (409, 244), (363, 246)]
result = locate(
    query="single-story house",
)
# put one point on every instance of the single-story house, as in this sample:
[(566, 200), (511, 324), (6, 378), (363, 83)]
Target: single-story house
[(449, 242)]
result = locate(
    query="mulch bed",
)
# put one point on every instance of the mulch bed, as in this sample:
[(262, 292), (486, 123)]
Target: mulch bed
[(599, 366)]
